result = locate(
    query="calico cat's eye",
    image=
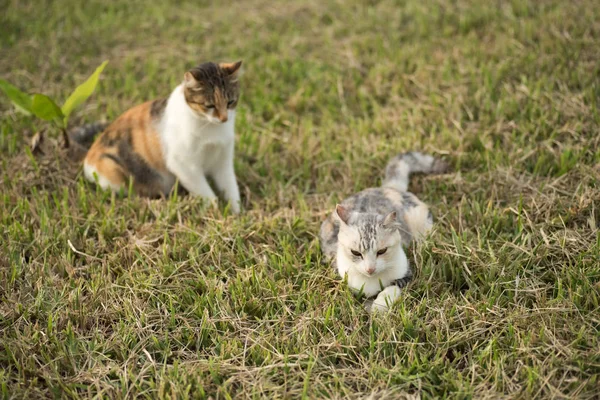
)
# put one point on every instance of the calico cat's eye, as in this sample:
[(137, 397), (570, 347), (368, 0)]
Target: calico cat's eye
[(356, 253), (382, 251), (230, 103), (209, 106)]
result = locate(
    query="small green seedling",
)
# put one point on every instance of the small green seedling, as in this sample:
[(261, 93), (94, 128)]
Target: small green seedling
[(45, 108)]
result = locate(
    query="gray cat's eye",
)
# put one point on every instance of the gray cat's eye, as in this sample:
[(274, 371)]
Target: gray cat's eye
[(210, 106), (230, 103), (382, 251), (356, 253)]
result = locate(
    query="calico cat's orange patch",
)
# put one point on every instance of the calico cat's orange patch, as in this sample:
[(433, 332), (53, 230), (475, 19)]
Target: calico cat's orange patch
[(131, 146)]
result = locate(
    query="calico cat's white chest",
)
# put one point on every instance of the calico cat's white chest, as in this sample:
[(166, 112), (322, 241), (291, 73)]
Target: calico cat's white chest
[(202, 146), (203, 134), (210, 155)]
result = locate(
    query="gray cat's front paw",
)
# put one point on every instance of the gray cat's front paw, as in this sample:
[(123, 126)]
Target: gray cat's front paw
[(385, 299), (368, 305)]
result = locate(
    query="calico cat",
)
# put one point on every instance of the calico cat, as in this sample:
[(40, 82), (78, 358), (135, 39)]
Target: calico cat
[(367, 231), (188, 136)]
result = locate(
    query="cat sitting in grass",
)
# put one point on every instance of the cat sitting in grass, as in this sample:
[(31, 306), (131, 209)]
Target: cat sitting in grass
[(367, 232), (187, 136)]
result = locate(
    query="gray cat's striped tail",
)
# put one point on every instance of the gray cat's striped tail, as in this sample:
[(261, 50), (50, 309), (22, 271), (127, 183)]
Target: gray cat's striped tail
[(399, 168), (84, 135)]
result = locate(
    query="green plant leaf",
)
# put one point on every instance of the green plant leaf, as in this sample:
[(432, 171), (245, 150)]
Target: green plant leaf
[(45, 108), (82, 92), (22, 101)]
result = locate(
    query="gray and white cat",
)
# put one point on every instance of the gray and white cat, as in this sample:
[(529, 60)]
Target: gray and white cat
[(367, 231)]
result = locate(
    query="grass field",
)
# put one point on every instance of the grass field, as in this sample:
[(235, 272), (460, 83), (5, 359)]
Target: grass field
[(128, 297)]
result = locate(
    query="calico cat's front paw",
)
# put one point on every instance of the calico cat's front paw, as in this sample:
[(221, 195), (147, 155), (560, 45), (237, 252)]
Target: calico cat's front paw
[(385, 299), (211, 202), (235, 208)]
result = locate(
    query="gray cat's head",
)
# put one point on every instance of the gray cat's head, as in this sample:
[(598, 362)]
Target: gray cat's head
[(368, 243)]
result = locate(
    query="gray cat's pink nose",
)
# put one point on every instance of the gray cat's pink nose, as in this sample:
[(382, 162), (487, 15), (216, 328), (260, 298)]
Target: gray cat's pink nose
[(370, 269)]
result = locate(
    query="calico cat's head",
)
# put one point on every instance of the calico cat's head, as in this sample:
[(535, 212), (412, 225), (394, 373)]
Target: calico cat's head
[(368, 243), (211, 90)]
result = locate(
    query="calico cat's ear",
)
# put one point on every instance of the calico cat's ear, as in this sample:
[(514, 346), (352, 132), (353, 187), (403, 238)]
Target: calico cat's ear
[(342, 213), (390, 219), (231, 68), (190, 81)]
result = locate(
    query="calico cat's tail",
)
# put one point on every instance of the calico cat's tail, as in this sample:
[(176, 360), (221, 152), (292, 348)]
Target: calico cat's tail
[(84, 134), (82, 138), (399, 168)]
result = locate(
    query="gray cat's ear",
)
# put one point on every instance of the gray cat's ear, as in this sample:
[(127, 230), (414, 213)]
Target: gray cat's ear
[(390, 219), (231, 69), (342, 213), (190, 81)]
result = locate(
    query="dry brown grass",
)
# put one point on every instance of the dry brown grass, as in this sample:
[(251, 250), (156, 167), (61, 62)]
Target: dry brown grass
[(114, 297)]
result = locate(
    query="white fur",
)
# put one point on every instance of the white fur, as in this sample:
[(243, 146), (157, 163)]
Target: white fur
[(91, 174), (386, 298), (197, 146), (387, 267), (400, 181), (394, 267), (418, 221)]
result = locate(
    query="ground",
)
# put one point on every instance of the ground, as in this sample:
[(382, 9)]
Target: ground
[(125, 297)]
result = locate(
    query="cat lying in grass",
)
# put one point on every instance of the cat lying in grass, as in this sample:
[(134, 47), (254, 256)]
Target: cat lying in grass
[(187, 136), (367, 231)]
